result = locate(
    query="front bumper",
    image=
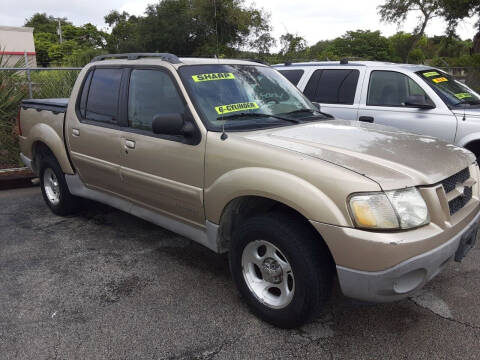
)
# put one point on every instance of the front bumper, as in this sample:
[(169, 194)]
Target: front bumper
[(405, 278)]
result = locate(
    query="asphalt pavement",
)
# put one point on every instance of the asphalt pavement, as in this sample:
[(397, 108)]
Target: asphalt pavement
[(104, 284)]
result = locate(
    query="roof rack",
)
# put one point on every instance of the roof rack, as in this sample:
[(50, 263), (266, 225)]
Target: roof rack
[(173, 59)]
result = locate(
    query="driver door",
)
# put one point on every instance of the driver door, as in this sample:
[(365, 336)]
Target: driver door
[(383, 100)]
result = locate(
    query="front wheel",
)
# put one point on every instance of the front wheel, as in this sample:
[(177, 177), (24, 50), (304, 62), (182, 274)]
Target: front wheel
[(281, 268), (54, 188)]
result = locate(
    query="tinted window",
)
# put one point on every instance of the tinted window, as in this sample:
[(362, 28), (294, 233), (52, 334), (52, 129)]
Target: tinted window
[(102, 103), (333, 86), (151, 92), (311, 88), (83, 98), (390, 88), (293, 76)]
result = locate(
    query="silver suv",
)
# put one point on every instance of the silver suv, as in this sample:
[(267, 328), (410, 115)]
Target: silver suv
[(416, 98)]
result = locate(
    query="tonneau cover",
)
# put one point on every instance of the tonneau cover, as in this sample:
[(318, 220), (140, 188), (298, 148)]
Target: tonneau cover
[(55, 105)]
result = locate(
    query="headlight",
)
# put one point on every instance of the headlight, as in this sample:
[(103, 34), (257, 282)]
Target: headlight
[(398, 209)]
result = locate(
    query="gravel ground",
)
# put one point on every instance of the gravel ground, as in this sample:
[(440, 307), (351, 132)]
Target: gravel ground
[(104, 284)]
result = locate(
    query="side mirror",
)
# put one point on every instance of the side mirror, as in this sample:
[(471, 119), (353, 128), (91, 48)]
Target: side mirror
[(317, 105), (419, 101), (168, 124)]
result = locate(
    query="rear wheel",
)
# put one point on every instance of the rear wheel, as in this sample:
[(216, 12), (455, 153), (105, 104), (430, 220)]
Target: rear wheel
[(281, 268), (54, 188)]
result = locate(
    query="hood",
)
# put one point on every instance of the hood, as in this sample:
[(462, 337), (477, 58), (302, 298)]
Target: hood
[(392, 158), (475, 112)]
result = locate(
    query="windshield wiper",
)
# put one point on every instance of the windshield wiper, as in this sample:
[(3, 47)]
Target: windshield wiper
[(311, 112), (469, 102), (257, 115)]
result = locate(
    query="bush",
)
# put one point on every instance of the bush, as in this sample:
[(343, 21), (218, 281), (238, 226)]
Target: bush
[(13, 89)]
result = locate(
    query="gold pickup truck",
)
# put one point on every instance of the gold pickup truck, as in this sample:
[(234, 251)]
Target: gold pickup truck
[(231, 155)]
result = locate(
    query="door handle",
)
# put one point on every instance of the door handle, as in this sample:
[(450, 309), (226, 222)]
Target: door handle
[(75, 132), (130, 144), (368, 119)]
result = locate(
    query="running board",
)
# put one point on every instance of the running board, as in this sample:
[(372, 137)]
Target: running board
[(207, 237)]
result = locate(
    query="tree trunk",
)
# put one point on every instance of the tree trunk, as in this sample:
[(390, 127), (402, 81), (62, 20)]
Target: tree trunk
[(476, 43), (416, 37)]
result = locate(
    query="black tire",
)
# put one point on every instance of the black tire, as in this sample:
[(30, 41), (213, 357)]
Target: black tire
[(67, 203), (309, 259)]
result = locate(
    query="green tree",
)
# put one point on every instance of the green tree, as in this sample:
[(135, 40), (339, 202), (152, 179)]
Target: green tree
[(292, 46), (75, 40), (191, 27), (396, 11), (456, 10), (365, 44)]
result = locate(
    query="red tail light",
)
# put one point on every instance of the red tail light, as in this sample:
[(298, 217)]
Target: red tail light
[(19, 128)]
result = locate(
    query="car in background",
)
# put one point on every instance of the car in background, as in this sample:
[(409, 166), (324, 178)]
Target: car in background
[(417, 98)]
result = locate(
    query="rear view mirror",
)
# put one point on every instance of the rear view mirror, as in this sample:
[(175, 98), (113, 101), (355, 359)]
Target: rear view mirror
[(168, 124), (419, 101)]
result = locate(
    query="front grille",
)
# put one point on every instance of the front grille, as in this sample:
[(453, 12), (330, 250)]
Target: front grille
[(449, 185), (452, 181)]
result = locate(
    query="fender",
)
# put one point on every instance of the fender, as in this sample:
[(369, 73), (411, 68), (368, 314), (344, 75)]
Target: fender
[(468, 139), (47, 135), (276, 185)]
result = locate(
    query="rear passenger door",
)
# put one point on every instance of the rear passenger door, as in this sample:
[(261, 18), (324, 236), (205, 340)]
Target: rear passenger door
[(161, 172), (337, 90), (94, 129)]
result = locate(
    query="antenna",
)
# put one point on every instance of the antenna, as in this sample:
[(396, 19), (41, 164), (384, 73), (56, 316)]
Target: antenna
[(224, 135), (216, 25)]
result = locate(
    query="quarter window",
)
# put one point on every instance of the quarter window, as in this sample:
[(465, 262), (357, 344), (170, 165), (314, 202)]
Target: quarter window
[(390, 88), (151, 92), (333, 86), (293, 76), (103, 95)]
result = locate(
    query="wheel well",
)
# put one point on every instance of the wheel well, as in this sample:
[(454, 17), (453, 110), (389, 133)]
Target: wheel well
[(39, 151), (474, 146), (242, 208)]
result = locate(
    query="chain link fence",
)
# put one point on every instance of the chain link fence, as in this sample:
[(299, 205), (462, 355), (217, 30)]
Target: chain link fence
[(41, 83), (20, 83)]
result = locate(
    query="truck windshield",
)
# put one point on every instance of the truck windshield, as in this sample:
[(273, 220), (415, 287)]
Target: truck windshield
[(232, 95), (452, 92)]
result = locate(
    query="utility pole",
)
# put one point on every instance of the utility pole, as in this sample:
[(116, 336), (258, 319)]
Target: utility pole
[(59, 30)]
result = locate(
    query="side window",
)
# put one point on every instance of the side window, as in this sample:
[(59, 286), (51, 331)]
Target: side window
[(390, 88), (334, 86), (311, 88), (103, 95), (293, 76), (151, 92)]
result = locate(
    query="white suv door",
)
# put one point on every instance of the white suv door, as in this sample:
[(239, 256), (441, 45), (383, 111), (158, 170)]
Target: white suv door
[(336, 89), (383, 102)]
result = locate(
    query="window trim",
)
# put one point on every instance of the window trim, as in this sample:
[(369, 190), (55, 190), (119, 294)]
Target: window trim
[(188, 115), (322, 71), (84, 120), (396, 106), (292, 70), (122, 121)]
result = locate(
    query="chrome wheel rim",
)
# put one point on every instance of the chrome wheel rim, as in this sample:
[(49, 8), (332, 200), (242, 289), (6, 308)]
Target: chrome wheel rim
[(51, 186), (268, 274)]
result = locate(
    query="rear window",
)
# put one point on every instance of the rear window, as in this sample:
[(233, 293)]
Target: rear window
[(333, 86), (103, 94), (293, 76)]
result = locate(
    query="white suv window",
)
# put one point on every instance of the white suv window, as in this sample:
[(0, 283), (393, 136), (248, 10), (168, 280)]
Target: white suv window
[(391, 88), (332, 86)]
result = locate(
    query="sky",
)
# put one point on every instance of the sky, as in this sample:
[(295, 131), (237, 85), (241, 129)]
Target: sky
[(313, 19)]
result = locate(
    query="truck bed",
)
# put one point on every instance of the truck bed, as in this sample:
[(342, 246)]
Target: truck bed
[(58, 105)]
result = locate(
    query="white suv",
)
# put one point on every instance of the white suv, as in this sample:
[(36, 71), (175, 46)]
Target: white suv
[(417, 98)]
